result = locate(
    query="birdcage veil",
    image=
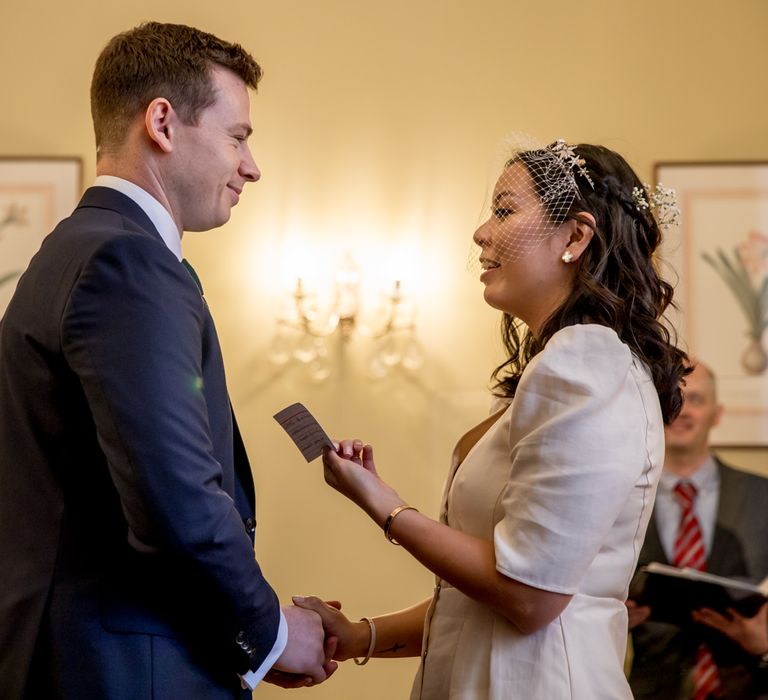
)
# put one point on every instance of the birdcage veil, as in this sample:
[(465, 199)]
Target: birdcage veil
[(531, 199)]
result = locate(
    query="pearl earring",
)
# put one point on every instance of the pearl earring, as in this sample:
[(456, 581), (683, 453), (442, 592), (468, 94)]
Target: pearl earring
[(567, 256)]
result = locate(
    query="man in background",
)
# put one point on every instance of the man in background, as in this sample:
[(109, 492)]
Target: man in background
[(126, 497), (712, 517)]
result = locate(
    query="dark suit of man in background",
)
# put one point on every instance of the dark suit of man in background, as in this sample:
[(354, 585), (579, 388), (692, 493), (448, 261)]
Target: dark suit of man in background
[(126, 497), (732, 507)]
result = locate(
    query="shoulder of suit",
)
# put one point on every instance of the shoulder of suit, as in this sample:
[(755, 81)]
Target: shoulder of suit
[(110, 239), (734, 474), (108, 256), (105, 208)]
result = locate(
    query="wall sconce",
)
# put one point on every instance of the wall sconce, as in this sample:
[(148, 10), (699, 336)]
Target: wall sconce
[(307, 325)]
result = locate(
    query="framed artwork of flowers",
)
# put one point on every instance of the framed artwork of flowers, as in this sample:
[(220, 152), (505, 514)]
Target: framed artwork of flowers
[(35, 194), (718, 260)]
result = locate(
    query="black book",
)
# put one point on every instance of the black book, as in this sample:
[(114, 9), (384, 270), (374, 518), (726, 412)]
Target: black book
[(674, 593)]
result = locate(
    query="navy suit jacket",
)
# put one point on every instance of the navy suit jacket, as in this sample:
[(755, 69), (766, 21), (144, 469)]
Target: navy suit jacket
[(664, 654), (126, 497)]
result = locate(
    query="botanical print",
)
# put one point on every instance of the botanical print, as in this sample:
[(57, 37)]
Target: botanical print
[(26, 215), (717, 260), (14, 217), (35, 194), (745, 274)]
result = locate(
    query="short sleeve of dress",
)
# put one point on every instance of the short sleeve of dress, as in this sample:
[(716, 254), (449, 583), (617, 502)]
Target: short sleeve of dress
[(578, 446)]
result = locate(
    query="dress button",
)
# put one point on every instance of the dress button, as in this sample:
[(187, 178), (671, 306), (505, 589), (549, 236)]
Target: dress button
[(250, 526)]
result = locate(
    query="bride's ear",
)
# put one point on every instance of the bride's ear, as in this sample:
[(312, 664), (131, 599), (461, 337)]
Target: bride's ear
[(581, 231)]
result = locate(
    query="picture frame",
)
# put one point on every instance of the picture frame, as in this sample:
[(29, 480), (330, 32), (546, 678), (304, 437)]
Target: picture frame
[(35, 194), (717, 259)]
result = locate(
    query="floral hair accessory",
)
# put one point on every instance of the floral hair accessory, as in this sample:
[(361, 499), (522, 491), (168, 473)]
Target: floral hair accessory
[(568, 157), (660, 201)]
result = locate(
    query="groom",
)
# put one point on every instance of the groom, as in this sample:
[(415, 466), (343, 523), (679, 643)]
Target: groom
[(126, 497)]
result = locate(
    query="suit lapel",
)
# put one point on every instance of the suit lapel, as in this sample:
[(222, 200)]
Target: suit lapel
[(652, 548), (242, 471), (112, 200), (730, 499), (731, 493)]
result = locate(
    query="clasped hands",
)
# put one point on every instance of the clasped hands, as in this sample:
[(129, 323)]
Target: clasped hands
[(307, 657), (315, 650), (319, 634)]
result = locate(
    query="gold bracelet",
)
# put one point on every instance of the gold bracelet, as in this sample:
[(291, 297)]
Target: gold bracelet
[(371, 646), (391, 518)]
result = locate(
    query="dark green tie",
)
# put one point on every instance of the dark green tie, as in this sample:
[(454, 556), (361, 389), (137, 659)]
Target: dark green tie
[(193, 275)]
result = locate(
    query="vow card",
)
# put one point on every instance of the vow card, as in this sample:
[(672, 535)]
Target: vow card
[(304, 430)]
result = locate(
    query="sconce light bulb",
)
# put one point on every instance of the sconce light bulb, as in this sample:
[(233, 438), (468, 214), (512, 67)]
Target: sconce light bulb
[(279, 351), (413, 355), (347, 291), (305, 350)]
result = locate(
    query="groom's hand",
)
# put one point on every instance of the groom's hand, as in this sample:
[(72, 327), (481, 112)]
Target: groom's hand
[(306, 659), (353, 638)]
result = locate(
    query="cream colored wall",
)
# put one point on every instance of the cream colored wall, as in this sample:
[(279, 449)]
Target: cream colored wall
[(374, 127)]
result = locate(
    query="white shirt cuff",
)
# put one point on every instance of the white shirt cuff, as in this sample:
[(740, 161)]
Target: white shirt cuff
[(253, 678)]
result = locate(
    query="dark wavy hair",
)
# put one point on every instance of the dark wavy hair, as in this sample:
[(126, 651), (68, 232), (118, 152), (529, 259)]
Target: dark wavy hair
[(617, 283)]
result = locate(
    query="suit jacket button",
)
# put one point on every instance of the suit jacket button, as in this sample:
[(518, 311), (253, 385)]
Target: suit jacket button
[(250, 526), (241, 641)]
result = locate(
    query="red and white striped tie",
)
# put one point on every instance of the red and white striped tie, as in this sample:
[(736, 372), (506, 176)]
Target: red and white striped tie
[(689, 551)]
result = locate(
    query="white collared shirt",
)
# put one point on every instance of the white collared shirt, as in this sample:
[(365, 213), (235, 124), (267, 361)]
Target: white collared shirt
[(169, 232), (157, 213), (706, 479)]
